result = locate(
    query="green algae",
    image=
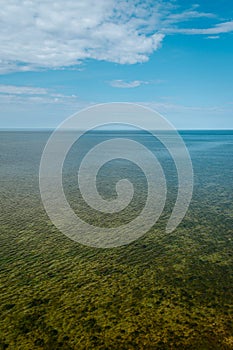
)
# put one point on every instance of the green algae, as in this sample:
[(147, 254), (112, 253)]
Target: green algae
[(163, 291)]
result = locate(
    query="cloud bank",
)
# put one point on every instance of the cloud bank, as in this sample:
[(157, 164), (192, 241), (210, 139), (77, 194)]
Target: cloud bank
[(45, 34), (53, 34)]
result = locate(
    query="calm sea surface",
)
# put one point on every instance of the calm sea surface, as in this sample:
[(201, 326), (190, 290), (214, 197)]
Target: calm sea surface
[(163, 291)]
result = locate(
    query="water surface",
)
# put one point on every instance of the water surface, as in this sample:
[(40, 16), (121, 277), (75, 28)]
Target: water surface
[(163, 291)]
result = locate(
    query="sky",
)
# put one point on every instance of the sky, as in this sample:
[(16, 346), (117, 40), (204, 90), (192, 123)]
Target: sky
[(58, 57)]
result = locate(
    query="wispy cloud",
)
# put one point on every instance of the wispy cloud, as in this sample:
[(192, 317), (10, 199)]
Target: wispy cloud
[(187, 16), (123, 84), (220, 28), (164, 107), (22, 90), (193, 116), (127, 84), (35, 95), (213, 37)]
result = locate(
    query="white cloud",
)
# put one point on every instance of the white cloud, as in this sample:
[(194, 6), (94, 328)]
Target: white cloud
[(22, 90), (213, 37), (45, 34), (187, 16), (167, 107), (25, 95), (119, 83), (220, 28), (127, 84), (54, 34)]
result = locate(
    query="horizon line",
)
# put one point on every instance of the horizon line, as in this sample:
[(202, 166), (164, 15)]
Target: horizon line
[(104, 130)]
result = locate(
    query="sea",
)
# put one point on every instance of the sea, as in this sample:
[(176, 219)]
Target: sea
[(161, 290)]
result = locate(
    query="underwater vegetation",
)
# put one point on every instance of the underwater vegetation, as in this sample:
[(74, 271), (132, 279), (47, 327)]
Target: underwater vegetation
[(163, 291)]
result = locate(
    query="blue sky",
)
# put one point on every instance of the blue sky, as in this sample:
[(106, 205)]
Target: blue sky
[(173, 56)]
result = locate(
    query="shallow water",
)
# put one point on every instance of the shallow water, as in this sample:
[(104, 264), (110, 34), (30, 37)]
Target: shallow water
[(163, 291)]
